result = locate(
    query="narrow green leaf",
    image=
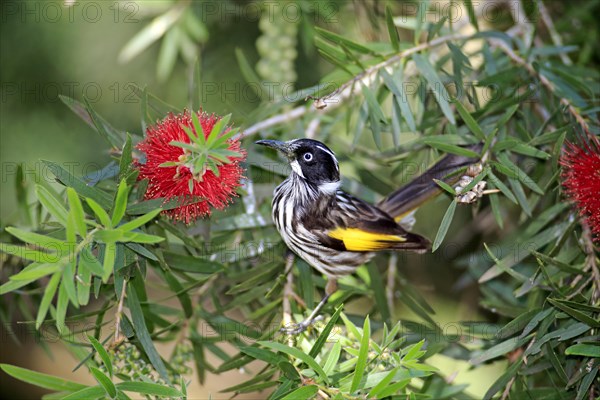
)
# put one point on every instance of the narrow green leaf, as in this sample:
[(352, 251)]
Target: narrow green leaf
[(342, 65), (81, 187), (14, 285), (61, 308), (363, 353), (44, 241), (120, 203), (36, 270), (501, 267), (126, 159), (421, 17), (435, 83), (141, 250), (139, 221), (471, 13), (517, 324), (303, 392), (500, 185), (68, 279), (378, 289), (88, 261), (556, 363), (520, 174), (384, 383), (87, 393), (248, 72), (413, 351), (188, 146), (443, 229), (47, 299), (393, 32), (297, 354), (100, 212), (322, 339), (340, 39), (104, 129), (374, 106), (84, 283), (149, 388), (167, 56), (146, 206), (469, 120), (501, 382), (102, 353), (333, 54), (396, 116), (394, 388), (521, 148), (52, 204), (445, 186), (78, 108), (77, 209), (586, 383), (150, 33), (45, 381), (332, 358), (401, 99), (104, 381), (217, 130), (498, 350), (352, 329), (183, 296), (262, 354), (449, 148), (110, 251), (586, 319), (199, 134), (139, 237), (142, 334)]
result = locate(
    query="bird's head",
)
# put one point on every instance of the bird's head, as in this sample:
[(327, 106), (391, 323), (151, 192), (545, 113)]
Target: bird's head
[(310, 160)]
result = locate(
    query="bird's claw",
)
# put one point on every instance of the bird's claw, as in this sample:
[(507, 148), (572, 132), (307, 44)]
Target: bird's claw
[(297, 329)]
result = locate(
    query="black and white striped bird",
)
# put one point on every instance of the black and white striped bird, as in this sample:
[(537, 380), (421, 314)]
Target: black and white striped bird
[(335, 232)]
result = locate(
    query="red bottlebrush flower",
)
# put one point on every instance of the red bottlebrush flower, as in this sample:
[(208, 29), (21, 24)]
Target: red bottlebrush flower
[(581, 180), (191, 156)]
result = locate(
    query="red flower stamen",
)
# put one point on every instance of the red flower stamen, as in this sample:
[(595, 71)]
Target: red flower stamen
[(581, 180), (182, 165)]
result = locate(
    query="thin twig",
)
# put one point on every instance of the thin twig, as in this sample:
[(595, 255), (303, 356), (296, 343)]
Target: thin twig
[(119, 314), (510, 383), (390, 287), (556, 39), (288, 291), (313, 126), (588, 248)]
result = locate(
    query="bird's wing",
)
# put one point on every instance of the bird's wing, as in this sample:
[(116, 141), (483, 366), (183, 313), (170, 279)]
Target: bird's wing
[(362, 227)]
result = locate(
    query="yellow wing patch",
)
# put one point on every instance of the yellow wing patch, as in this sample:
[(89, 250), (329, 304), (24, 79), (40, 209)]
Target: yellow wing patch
[(358, 240)]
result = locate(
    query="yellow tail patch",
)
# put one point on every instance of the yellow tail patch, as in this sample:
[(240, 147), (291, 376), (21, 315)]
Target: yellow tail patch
[(358, 240)]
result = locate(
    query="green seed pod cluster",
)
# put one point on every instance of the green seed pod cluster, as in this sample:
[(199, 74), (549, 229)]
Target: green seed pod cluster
[(127, 361), (277, 46), (181, 359)]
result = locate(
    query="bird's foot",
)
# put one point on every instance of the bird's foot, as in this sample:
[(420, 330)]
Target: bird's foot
[(296, 329)]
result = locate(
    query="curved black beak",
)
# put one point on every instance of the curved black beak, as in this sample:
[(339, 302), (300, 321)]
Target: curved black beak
[(277, 145)]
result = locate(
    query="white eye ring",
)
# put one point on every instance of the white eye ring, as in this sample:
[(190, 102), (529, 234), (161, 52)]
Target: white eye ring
[(308, 156)]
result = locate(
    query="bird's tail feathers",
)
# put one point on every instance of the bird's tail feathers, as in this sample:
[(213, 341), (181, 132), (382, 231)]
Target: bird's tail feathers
[(412, 195)]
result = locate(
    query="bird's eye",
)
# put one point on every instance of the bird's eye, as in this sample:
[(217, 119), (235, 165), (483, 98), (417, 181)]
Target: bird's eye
[(308, 156)]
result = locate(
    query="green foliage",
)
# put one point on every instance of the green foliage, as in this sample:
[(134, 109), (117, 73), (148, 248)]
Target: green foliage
[(92, 250)]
